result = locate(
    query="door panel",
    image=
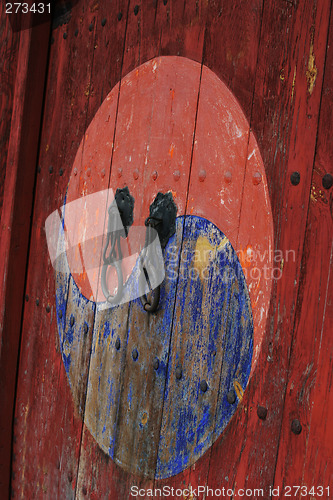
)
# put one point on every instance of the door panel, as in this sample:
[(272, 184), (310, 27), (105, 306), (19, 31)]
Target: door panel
[(174, 96), (157, 105)]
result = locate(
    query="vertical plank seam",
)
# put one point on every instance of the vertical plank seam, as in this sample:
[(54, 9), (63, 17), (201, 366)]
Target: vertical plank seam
[(95, 309), (83, 144), (303, 252), (240, 210), (28, 250), (124, 363), (319, 351), (181, 245)]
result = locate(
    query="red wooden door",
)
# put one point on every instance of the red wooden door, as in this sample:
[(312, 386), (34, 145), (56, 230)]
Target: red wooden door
[(210, 102)]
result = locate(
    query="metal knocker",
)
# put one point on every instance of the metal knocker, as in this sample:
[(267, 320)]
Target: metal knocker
[(120, 219), (161, 220)]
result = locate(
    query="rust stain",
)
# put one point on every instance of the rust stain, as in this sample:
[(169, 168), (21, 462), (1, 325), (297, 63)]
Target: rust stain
[(311, 74), (313, 194), (203, 254), (66, 348), (24, 447), (95, 6), (171, 150), (245, 256), (188, 497), (89, 91), (222, 244), (317, 194), (293, 85), (282, 265), (144, 418), (239, 390)]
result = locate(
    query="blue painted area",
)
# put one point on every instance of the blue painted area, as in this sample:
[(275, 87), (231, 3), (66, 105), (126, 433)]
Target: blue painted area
[(211, 314)]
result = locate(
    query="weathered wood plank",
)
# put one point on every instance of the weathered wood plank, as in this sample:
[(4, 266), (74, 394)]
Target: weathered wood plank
[(231, 46), (306, 459), (225, 23), (159, 143), (48, 424), (8, 65), (15, 217), (211, 347), (169, 95), (182, 34), (84, 66), (285, 108)]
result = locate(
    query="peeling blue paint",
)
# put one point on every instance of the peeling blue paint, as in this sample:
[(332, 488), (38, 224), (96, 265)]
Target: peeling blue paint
[(210, 315)]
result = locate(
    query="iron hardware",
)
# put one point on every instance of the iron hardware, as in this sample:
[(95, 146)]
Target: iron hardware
[(295, 178), (122, 206), (162, 219), (231, 397), (162, 216), (262, 412), (296, 426), (203, 385), (327, 181)]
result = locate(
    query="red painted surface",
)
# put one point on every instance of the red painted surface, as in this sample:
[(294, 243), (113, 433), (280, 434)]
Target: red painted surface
[(278, 101), (165, 89), (308, 396), (227, 166), (273, 58), (53, 420), (8, 58), (15, 220)]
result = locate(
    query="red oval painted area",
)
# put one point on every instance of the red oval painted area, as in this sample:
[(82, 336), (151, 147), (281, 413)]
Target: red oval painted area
[(162, 104)]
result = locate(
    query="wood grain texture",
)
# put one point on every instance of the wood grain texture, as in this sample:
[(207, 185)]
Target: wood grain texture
[(153, 16), (48, 424), (8, 65), (236, 27), (16, 217), (305, 459), (285, 109), (272, 56)]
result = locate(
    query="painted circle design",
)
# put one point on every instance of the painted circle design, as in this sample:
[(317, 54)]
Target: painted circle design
[(215, 349), (156, 413)]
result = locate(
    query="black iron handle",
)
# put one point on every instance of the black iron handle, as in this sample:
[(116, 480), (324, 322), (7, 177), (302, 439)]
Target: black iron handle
[(122, 207), (162, 218), (147, 260)]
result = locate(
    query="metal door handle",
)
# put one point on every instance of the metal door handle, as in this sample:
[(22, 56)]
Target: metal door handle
[(162, 218), (120, 219)]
